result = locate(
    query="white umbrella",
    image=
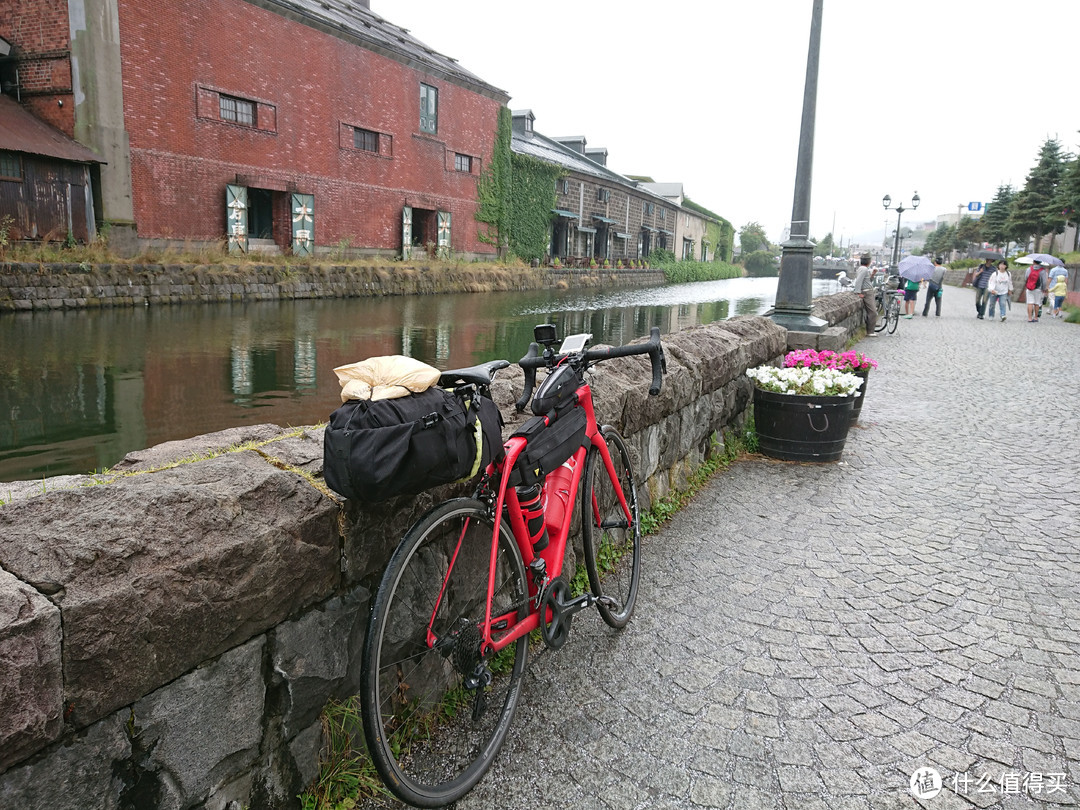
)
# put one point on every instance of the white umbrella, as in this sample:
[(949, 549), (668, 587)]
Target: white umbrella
[(1045, 258), (916, 268)]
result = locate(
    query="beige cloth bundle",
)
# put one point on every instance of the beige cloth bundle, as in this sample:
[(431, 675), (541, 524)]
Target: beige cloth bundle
[(387, 377)]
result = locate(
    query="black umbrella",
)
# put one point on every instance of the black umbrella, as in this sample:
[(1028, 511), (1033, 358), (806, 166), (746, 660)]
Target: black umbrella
[(989, 254)]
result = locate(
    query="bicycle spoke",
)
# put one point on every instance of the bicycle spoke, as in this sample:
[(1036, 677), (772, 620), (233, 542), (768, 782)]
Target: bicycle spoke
[(611, 539), (435, 709)]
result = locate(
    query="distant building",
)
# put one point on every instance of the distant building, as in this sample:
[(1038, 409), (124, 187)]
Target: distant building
[(600, 214), (307, 125)]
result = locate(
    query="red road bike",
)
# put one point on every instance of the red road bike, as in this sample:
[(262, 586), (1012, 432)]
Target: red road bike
[(448, 638)]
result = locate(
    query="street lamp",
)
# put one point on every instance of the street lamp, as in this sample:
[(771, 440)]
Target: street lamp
[(794, 289), (886, 202)]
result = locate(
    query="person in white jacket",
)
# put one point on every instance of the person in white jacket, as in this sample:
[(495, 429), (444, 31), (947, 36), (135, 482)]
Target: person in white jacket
[(999, 289)]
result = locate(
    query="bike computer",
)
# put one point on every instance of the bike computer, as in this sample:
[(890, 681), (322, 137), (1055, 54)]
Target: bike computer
[(575, 343)]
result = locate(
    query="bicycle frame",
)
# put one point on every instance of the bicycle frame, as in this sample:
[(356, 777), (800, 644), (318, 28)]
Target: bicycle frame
[(554, 552)]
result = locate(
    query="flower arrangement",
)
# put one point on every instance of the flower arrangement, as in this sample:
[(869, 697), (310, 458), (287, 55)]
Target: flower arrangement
[(841, 361), (819, 382)]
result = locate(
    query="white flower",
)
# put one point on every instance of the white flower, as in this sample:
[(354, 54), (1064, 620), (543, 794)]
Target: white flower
[(805, 381)]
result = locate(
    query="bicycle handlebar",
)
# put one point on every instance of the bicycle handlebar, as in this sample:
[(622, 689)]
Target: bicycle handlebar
[(534, 359)]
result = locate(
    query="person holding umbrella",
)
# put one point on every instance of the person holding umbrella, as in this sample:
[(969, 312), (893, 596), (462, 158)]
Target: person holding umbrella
[(980, 282), (1035, 286), (1059, 285), (1001, 284), (933, 288), (911, 293)]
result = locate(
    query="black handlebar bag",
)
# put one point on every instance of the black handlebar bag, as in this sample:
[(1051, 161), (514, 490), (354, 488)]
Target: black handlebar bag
[(373, 451)]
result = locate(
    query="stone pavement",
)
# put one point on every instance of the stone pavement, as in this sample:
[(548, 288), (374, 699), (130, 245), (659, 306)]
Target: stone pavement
[(811, 636)]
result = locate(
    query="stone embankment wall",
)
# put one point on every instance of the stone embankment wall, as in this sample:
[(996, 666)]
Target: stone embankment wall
[(25, 287), (170, 631)]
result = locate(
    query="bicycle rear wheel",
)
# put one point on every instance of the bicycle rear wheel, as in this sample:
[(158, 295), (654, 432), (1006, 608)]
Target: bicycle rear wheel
[(612, 542), (894, 315), (435, 710)]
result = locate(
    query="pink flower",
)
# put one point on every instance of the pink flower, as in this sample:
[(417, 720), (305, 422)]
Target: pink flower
[(842, 361)]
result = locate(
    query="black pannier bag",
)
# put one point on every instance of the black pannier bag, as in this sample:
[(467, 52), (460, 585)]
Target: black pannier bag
[(548, 447), (377, 450)]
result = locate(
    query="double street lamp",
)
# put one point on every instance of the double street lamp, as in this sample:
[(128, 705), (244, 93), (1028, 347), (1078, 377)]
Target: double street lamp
[(886, 201)]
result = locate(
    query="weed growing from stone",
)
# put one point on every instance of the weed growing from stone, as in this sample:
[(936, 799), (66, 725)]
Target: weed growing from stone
[(732, 448), (345, 770)]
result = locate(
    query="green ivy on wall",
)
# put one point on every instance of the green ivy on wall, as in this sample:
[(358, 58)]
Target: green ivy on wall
[(493, 187), (516, 195), (721, 234), (532, 198)]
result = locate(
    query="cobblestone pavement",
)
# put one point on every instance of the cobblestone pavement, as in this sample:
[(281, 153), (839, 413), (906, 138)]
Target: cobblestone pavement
[(811, 636)]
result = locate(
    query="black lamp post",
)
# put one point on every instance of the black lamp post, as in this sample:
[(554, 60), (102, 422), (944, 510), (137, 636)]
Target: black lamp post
[(794, 290), (886, 201)]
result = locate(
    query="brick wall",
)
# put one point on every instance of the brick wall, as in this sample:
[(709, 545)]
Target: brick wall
[(310, 90), (38, 33)]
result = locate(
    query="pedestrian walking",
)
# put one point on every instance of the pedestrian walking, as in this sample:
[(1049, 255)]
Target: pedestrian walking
[(1035, 287), (933, 288), (911, 293), (980, 282), (999, 288), (863, 288), (1057, 293)]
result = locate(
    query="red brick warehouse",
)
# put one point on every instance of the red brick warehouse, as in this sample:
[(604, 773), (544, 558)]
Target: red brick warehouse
[(282, 122)]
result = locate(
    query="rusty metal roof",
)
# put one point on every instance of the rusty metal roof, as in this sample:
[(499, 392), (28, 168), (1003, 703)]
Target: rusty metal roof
[(352, 21), (22, 132)]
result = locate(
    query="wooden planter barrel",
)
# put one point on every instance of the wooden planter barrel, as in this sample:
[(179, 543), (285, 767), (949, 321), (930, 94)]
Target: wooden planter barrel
[(793, 427), (860, 395)]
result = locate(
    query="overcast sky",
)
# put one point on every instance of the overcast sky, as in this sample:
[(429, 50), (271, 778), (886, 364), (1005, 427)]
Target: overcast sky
[(944, 97)]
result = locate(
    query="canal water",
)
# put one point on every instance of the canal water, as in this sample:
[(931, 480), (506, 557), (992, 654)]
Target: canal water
[(80, 389)]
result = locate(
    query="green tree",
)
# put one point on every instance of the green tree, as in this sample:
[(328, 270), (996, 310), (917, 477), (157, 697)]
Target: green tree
[(967, 234), (1034, 210), (941, 240), (760, 263), (1068, 195), (826, 247), (994, 225), (752, 238)]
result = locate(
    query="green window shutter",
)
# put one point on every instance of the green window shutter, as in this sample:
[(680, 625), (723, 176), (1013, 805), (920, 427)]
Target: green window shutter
[(303, 224), (444, 235), (429, 109), (406, 231), (236, 218)]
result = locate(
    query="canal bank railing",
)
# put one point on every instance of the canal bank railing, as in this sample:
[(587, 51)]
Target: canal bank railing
[(171, 630), (28, 287)]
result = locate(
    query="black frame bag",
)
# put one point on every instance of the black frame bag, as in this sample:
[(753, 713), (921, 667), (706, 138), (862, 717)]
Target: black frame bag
[(373, 451), (549, 445)]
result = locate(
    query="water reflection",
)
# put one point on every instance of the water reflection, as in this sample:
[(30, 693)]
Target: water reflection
[(78, 390)]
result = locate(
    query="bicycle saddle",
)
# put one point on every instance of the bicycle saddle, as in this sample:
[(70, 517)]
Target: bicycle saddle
[(475, 375)]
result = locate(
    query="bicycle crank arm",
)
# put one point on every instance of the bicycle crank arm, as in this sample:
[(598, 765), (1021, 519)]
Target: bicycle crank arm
[(577, 604)]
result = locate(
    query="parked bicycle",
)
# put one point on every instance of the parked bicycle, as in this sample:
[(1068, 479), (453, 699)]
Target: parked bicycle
[(888, 296), (448, 639)]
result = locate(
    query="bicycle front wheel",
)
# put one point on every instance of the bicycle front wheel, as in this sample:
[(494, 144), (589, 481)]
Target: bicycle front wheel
[(436, 709), (611, 538), (894, 315)]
